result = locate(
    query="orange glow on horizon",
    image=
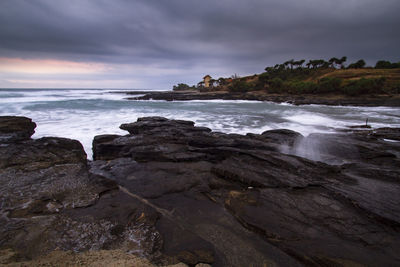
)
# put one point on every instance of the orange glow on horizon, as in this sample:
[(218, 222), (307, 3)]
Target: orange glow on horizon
[(48, 66)]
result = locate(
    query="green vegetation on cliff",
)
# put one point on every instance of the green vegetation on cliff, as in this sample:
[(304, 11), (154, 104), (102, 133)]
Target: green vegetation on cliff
[(316, 76), (323, 77), (183, 87)]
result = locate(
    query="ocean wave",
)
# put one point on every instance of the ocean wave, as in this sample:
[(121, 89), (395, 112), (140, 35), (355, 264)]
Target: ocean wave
[(82, 114)]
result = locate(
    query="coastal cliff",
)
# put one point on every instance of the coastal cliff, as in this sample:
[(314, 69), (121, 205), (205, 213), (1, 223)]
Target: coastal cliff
[(305, 99), (170, 192), (322, 84)]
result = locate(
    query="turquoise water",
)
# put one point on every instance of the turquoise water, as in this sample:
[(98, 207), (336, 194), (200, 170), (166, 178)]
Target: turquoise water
[(81, 113)]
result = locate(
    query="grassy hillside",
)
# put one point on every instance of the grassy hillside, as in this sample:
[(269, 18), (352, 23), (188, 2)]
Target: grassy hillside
[(318, 81), (313, 77), (392, 75)]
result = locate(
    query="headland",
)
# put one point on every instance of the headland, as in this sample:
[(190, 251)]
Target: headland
[(318, 82)]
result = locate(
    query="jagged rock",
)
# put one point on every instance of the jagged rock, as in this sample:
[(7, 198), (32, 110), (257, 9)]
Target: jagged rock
[(179, 193), (281, 136), (153, 124), (49, 200), (298, 211), (15, 128), (387, 133)]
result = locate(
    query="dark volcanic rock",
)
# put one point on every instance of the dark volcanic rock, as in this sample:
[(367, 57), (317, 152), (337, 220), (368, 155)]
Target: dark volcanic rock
[(49, 200), (369, 160), (174, 193), (238, 200), (151, 124), (16, 128), (336, 100), (281, 136), (387, 133)]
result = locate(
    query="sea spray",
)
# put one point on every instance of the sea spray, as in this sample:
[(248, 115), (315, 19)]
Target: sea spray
[(310, 148), (327, 148)]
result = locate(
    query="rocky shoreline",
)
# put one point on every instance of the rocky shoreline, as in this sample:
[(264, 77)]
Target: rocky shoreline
[(173, 193), (337, 100)]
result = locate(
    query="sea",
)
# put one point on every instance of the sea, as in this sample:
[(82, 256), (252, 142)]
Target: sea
[(82, 114)]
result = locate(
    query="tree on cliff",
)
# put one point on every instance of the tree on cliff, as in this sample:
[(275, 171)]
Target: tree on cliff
[(342, 61), (221, 81), (357, 65), (333, 61), (182, 86), (317, 63), (299, 63), (289, 63), (383, 64)]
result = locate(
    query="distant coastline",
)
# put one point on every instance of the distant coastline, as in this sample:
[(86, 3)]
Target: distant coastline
[(305, 99), (318, 82)]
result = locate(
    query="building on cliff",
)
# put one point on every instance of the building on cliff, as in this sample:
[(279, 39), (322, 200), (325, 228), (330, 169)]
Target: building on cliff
[(206, 80)]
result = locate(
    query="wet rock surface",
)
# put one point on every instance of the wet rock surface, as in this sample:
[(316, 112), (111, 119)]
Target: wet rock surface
[(50, 201), (173, 192), (271, 206), (14, 128)]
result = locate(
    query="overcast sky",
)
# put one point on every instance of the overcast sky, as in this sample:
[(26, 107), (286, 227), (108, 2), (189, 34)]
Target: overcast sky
[(154, 44)]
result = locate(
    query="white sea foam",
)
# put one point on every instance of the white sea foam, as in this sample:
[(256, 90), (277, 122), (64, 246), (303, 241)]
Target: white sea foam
[(83, 114), (310, 119), (392, 141), (220, 101)]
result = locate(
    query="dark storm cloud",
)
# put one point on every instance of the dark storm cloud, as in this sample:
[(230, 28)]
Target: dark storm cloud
[(244, 36)]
